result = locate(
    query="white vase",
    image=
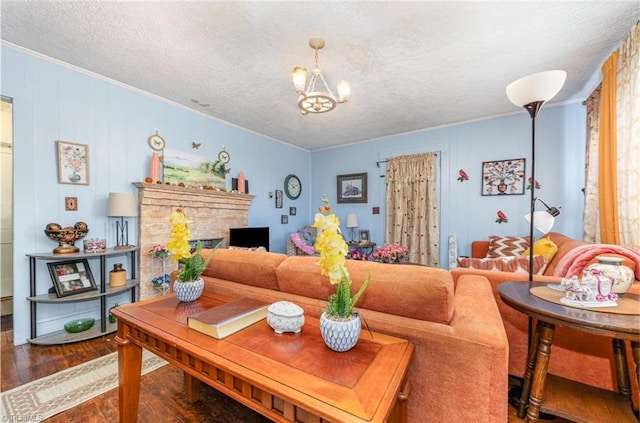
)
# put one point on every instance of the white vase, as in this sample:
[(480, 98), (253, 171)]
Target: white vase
[(612, 267), (188, 291), (340, 335)]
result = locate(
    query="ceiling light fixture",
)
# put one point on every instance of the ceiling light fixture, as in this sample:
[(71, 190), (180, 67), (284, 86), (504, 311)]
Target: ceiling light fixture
[(310, 100)]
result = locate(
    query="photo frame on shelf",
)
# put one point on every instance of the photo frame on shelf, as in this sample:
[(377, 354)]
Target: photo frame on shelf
[(71, 277), (73, 163), (364, 236), (503, 177), (352, 188)]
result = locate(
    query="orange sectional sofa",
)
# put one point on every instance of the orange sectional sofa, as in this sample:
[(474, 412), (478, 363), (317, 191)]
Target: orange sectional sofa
[(459, 368), (575, 355)]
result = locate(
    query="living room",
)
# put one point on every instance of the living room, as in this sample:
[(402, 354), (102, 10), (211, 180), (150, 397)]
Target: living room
[(53, 100)]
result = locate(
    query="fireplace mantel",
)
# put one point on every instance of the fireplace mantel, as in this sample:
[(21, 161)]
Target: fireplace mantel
[(210, 213)]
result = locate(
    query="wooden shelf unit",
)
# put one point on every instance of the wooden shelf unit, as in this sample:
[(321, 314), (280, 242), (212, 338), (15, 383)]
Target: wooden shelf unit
[(102, 325)]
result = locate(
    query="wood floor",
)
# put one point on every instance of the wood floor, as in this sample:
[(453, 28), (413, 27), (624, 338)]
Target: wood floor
[(161, 397)]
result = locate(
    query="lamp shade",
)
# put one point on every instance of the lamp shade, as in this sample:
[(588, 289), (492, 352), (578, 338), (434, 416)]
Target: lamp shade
[(122, 204), (352, 220), (542, 220), (299, 76), (542, 86)]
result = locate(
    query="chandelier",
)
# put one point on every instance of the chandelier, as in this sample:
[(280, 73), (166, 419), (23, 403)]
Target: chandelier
[(312, 100)]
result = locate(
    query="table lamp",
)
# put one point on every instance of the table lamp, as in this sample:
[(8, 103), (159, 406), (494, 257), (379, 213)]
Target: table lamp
[(351, 223), (122, 204)]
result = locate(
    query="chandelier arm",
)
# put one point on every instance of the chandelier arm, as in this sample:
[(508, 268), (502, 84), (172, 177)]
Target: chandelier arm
[(326, 86)]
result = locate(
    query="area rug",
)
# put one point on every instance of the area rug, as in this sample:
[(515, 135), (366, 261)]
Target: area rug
[(43, 398)]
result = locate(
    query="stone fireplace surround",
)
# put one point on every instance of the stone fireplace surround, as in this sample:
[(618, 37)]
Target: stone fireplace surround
[(210, 213)]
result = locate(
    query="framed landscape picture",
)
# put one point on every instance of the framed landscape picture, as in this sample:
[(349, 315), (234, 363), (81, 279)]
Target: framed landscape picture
[(71, 277), (503, 177), (352, 188)]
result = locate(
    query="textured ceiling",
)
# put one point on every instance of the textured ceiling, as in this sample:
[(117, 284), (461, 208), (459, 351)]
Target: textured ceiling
[(411, 65)]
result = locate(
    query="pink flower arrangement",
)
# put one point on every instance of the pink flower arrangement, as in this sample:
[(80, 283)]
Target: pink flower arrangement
[(298, 242), (159, 250), (358, 255), (391, 253)]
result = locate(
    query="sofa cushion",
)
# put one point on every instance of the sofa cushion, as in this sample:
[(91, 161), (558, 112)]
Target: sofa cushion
[(253, 268), (506, 246), (426, 293), (545, 247), (515, 264)]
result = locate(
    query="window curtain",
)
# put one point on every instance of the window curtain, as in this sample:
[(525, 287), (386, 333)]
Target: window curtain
[(413, 219), (612, 211)]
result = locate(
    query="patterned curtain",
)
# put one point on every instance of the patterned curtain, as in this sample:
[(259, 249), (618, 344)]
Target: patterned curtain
[(413, 219), (628, 110), (591, 216)]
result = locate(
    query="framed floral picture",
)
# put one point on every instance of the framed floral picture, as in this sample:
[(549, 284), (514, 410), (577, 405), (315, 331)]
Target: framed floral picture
[(73, 163), (503, 177)]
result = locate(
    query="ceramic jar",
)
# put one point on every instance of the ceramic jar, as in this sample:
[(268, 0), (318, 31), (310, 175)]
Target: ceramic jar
[(340, 335), (188, 291), (612, 267), (117, 276), (285, 316)]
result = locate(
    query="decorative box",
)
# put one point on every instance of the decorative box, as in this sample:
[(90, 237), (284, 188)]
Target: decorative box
[(95, 245)]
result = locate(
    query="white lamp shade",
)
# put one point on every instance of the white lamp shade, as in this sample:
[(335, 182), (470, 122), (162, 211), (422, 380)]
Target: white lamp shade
[(344, 90), (352, 220), (542, 220), (299, 77), (122, 204), (542, 86)]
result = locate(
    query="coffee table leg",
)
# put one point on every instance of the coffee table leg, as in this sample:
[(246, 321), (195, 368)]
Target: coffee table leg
[(191, 388), (129, 370), (547, 331), (528, 372)]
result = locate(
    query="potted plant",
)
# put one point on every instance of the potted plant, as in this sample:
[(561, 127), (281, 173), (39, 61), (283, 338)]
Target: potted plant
[(340, 324), (188, 285)]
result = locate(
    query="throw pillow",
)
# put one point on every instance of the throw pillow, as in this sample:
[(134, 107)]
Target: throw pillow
[(515, 264), (543, 246), (507, 246)]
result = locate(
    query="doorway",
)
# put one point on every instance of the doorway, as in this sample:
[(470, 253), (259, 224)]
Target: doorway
[(6, 217)]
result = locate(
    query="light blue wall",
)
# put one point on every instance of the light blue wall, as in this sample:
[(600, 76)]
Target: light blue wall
[(54, 102)]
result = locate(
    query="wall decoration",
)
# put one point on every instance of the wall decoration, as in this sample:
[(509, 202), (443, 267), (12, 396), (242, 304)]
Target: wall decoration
[(73, 163), (462, 175), (192, 170), (196, 145), (279, 198), (71, 277), (538, 186), (71, 203), (292, 211), (502, 218), (503, 177), (156, 142), (284, 219), (352, 188)]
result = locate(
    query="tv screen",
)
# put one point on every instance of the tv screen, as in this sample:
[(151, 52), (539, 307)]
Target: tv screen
[(249, 237)]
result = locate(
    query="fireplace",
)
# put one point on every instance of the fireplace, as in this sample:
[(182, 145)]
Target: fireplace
[(210, 213)]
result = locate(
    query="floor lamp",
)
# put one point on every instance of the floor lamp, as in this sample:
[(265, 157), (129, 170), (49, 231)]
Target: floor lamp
[(531, 92)]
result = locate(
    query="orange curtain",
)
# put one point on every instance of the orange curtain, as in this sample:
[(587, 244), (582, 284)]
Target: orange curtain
[(607, 169)]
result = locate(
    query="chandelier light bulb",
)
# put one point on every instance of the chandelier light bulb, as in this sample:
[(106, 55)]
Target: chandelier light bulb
[(344, 90), (299, 76)]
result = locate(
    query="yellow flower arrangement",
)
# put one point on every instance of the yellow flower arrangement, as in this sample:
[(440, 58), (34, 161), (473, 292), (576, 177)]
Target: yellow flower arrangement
[(333, 250), (180, 249)]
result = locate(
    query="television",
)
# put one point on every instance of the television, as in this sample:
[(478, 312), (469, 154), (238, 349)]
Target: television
[(249, 237)]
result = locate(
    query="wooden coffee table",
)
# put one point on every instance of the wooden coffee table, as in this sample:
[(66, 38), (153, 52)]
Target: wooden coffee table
[(287, 377), (562, 397)]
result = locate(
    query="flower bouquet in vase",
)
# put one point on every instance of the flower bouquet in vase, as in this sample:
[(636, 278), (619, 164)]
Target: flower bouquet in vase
[(340, 325), (188, 286)]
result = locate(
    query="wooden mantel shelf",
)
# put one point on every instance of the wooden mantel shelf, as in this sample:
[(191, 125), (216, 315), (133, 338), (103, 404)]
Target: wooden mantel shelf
[(149, 193)]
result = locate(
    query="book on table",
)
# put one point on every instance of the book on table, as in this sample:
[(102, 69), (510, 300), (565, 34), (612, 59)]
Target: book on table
[(226, 319)]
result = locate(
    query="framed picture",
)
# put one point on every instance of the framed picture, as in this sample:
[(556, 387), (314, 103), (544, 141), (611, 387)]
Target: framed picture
[(284, 219), (73, 163), (71, 277), (503, 177), (279, 198), (364, 235), (292, 211), (352, 188)]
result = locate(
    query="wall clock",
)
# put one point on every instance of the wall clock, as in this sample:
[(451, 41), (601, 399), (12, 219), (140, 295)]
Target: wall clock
[(292, 187), (156, 142)]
